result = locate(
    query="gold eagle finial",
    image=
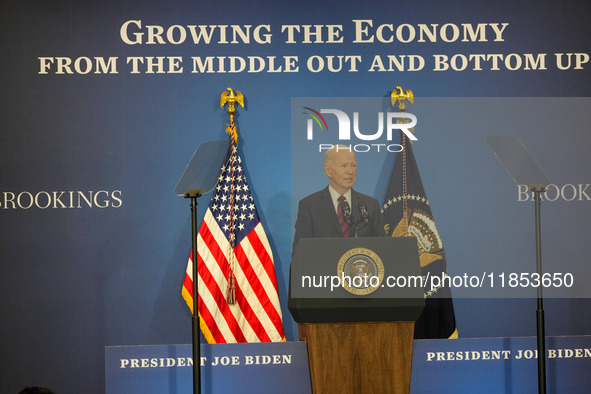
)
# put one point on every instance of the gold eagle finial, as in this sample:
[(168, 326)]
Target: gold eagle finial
[(229, 97), (398, 95)]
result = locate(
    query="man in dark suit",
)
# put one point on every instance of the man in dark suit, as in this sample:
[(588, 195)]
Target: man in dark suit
[(319, 213)]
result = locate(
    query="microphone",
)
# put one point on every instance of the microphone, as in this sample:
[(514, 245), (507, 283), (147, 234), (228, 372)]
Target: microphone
[(363, 220), (346, 211), (364, 214)]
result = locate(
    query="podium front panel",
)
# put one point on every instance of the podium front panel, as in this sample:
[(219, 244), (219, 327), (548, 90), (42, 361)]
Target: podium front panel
[(320, 267)]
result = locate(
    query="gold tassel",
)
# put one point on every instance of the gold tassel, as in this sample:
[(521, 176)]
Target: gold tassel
[(231, 297)]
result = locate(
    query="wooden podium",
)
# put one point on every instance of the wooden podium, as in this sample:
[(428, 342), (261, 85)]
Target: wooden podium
[(359, 358), (356, 343)]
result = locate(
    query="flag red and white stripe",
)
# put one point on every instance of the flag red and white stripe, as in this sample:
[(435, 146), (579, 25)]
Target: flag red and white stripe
[(232, 245)]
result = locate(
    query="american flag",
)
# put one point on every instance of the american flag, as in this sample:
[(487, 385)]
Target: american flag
[(238, 297)]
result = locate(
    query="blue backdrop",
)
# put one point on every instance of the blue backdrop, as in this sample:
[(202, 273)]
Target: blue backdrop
[(104, 103)]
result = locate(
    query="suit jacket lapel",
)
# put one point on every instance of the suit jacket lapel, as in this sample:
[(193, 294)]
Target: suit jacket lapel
[(328, 208)]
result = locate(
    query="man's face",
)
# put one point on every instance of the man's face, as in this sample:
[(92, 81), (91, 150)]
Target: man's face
[(341, 170)]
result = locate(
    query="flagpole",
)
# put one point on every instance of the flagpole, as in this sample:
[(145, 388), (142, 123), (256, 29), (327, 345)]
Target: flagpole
[(231, 99), (399, 97)]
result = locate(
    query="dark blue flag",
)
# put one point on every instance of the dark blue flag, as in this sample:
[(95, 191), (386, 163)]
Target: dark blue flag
[(406, 212)]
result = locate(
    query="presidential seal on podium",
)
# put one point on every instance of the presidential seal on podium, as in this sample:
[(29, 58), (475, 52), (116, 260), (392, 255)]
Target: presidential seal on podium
[(361, 271)]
